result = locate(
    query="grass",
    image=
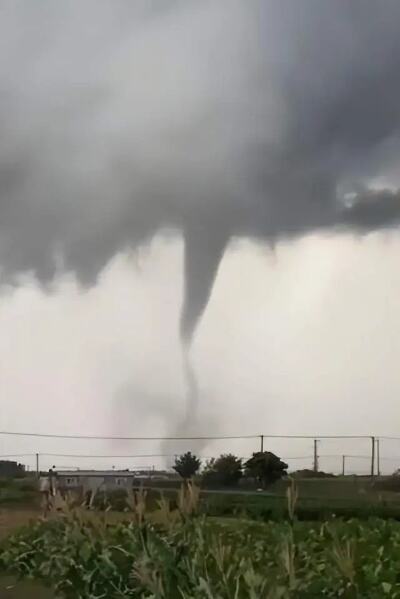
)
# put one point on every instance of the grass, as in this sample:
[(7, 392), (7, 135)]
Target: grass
[(342, 501), (327, 494), (308, 509), (346, 497), (21, 492)]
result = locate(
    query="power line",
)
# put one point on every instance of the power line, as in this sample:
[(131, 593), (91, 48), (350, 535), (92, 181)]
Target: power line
[(107, 438), (163, 455), (317, 437), (170, 455), (335, 455), (303, 457), (17, 455), (151, 455), (87, 456), (125, 456), (195, 438)]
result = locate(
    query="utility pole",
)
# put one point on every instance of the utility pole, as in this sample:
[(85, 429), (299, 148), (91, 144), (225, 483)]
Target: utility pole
[(378, 458), (37, 465), (372, 456), (262, 443), (315, 466), (343, 465)]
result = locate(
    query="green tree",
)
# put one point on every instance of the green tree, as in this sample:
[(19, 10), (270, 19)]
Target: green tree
[(187, 465), (225, 470), (265, 467)]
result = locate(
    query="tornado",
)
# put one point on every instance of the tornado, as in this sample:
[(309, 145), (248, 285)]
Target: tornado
[(203, 251), (204, 248)]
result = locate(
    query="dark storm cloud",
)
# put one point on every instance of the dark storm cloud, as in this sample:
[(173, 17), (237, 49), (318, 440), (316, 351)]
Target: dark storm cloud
[(218, 119)]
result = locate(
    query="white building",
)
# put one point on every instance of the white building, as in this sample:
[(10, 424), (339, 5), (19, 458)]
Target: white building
[(94, 480)]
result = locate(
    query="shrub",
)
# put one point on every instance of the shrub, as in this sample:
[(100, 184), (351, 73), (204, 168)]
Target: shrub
[(225, 471), (391, 483), (115, 500), (29, 486), (307, 473)]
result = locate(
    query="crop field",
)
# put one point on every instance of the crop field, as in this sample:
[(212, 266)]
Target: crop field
[(178, 552), (332, 538), (206, 558)]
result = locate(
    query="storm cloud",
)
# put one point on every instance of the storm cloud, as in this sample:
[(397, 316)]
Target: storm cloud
[(265, 119)]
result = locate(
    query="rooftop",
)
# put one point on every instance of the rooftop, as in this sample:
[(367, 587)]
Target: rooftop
[(75, 473)]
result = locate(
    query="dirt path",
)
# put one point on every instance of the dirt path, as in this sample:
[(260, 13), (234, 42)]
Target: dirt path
[(11, 519), (9, 589)]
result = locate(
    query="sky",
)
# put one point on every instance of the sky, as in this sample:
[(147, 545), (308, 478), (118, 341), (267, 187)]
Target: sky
[(199, 226), (318, 358)]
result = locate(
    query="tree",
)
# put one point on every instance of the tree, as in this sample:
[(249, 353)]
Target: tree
[(265, 467), (225, 470), (187, 465)]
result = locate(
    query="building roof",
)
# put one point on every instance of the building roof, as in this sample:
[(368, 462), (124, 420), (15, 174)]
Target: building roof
[(98, 473)]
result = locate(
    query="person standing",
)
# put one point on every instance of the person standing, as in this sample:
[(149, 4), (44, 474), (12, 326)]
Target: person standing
[(45, 492), (53, 482)]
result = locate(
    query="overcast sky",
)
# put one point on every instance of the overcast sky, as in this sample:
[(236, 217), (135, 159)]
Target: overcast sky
[(301, 341)]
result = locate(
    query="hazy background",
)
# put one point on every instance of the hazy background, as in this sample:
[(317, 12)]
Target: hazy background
[(315, 358)]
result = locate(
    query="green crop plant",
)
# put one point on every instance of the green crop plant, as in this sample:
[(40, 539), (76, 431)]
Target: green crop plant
[(176, 552)]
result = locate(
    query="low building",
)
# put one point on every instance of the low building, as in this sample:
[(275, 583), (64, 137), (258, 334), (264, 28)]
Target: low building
[(9, 469), (94, 480)]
